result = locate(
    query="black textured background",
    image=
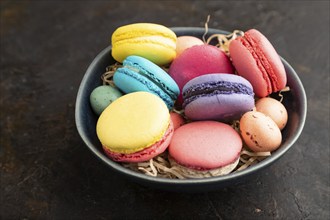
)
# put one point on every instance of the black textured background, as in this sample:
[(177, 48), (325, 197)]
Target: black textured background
[(48, 173)]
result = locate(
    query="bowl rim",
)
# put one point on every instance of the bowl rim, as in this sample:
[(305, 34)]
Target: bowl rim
[(184, 182)]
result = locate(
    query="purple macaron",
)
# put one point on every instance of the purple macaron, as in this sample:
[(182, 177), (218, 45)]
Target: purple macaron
[(217, 96)]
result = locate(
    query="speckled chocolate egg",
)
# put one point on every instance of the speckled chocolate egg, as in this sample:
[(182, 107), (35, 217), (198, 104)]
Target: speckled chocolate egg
[(102, 96), (273, 109), (259, 132), (184, 42)]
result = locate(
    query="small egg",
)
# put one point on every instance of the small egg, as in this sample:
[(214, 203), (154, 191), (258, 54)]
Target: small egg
[(184, 42), (273, 109), (102, 96), (177, 120), (259, 132)]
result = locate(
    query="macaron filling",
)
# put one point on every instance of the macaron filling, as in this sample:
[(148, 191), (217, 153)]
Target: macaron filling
[(262, 62), (144, 32), (214, 88)]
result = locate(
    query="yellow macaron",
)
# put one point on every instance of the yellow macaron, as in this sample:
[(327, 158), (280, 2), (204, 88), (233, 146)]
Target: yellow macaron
[(154, 42), (133, 122)]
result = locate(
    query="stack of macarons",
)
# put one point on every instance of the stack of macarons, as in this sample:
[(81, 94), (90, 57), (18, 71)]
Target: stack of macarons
[(181, 95)]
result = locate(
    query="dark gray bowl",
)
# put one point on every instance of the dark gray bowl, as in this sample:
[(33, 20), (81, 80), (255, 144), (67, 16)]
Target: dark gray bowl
[(294, 101)]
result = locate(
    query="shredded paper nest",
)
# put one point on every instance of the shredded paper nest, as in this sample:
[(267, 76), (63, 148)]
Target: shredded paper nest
[(161, 166)]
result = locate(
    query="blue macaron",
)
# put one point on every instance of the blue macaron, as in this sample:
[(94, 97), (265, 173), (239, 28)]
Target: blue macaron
[(140, 74)]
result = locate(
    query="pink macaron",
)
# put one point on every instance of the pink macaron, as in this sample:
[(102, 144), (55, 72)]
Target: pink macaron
[(255, 59), (177, 120), (205, 148), (196, 61)]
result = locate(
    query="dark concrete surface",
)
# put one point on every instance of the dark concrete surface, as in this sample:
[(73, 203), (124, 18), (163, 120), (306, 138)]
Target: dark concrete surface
[(48, 173)]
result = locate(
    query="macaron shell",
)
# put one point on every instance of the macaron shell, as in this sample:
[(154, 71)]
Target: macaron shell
[(193, 173), (205, 145), (215, 77), (177, 120), (133, 122), (219, 107), (145, 154), (185, 42), (152, 41), (259, 132), (273, 109), (198, 60)]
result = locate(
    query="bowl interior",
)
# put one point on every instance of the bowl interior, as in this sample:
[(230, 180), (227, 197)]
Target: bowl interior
[(294, 101)]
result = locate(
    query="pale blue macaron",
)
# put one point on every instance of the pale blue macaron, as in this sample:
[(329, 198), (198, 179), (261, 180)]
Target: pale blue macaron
[(102, 96), (140, 74)]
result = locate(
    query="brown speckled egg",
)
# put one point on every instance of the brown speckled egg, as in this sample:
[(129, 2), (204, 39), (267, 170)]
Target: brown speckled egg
[(184, 42), (259, 132), (273, 109)]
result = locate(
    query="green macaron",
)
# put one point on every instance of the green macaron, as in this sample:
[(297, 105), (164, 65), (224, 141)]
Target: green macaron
[(102, 96)]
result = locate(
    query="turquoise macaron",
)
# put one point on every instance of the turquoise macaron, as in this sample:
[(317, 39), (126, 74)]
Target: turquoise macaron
[(140, 74)]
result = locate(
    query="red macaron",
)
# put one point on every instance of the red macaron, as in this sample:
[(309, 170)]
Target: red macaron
[(205, 148), (255, 59), (196, 61)]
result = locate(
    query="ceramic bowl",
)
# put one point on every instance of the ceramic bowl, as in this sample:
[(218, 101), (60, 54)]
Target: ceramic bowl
[(294, 101)]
